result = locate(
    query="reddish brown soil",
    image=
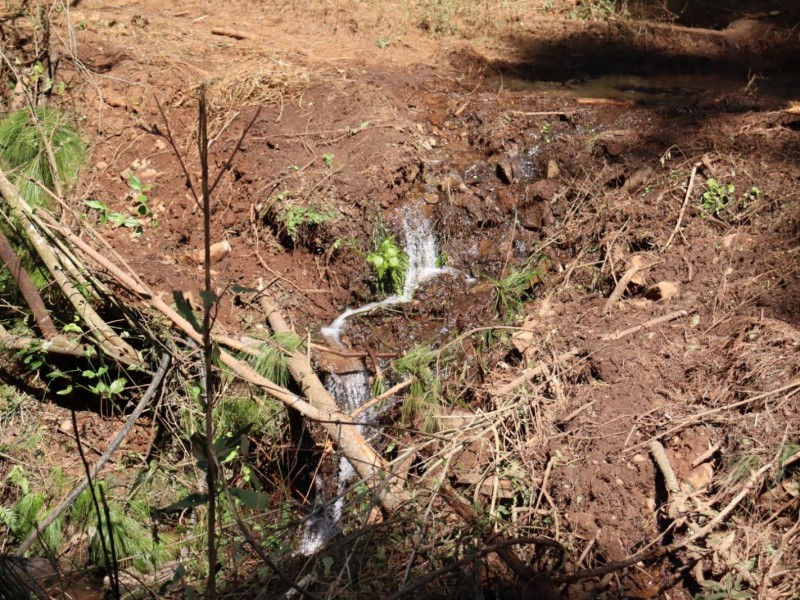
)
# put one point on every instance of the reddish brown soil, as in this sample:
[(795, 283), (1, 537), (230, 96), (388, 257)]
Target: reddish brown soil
[(449, 119)]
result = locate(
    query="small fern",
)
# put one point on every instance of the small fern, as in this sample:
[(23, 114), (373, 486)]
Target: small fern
[(8, 517)]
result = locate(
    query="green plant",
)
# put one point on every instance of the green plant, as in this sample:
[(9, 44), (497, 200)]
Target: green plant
[(391, 265), (749, 197), (328, 158), (131, 538), (139, 195), (116, 219), (384, 42), (730, 588), (598, 9), (425, 392), (512, 291), (29, 510), (717, 196), (294, 219), (354, 130), (23, 152)]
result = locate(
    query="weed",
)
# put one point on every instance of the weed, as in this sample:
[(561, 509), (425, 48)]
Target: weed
[(425, 393), (515, 289), (730, 588), (598, 9), (139, 195), (384, 42), (717, 196), (328, 158), (354, 130), (391, 265), (296, 219), (749, 198), (116, 219), (131, 537)]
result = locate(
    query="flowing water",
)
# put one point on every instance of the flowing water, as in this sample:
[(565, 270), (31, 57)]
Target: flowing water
[(423, 252), (351, 390)]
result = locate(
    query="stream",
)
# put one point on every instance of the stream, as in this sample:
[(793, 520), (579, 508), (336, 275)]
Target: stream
[(351, 390)]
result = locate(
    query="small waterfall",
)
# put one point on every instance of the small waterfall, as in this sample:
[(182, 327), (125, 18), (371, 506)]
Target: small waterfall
[(422, 250), (350, 391)]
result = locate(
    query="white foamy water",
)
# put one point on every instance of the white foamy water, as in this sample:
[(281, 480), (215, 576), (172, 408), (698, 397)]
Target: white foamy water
[(422, 250), (350, 391)]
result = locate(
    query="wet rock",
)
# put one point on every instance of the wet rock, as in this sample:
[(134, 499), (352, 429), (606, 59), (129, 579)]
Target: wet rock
[(472, 204), (537, 215), (489, 250), (537, 212), (543, 190), (505, 172), (506, 200), (516, 169), (479, 172)]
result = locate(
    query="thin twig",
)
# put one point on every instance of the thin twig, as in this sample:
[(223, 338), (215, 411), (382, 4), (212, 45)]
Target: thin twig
[(529, 374), (683, 206), (646, 325)]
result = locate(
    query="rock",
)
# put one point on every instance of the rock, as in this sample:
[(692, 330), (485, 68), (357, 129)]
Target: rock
[(116, 101), (553, 171), (536, 216), (663, 290), (506, 200), (542, 190), (505, 171), (472, 204), (700, 476)]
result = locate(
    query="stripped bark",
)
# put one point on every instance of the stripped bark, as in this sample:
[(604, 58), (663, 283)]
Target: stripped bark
[(29, 292)]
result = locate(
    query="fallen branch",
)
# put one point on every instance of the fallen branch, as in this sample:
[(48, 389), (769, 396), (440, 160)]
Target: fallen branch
[(689, 189), (155, 383), (231, 33), (529, 374), (108, 340), (29, 292), (637, 264), (646, 325), (55, 345), (339, 425)]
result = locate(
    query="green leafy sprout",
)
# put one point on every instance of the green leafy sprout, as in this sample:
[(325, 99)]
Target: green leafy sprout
[(391, 265), (717, 196)]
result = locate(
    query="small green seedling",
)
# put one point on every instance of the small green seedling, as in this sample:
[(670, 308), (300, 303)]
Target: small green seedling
[(391, 265), (116, 219), (328, 158), (138, 193), (749, 197), (717, 196), (384, 42), (294, 219), (355, 130)]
